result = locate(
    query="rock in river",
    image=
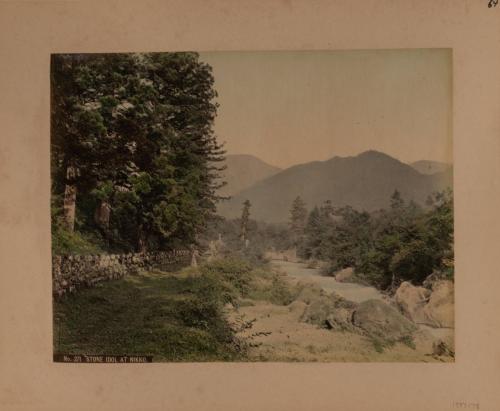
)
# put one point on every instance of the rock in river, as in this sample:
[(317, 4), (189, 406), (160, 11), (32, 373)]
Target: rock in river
[(344, 275)]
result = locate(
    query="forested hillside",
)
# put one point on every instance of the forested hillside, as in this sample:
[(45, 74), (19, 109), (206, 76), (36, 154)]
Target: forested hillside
[(135, 162), (404, 242)]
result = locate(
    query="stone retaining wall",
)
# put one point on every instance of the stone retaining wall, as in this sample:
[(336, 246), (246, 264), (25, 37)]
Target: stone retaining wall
[(70, 272)]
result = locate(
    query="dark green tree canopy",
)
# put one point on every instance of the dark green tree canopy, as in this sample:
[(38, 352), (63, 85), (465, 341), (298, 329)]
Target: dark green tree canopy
[(138, 129), (403, 243)]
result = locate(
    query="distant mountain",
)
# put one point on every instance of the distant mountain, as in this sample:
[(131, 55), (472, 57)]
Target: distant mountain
[(430, 167), (243, 171), (365, 182)]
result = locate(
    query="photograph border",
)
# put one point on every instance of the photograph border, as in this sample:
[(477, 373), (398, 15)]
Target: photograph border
[(30, 31)]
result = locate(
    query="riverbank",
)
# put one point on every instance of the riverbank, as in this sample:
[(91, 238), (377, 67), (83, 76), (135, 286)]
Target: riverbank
[(350, 291), (281, 334)]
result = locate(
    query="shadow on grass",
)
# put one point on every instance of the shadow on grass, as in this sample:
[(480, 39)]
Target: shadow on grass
[(172, 318)]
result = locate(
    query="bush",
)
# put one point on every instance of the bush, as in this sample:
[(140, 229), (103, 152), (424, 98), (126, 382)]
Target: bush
[(64, 242), (235, 274), (271, 287), (204, 314), (281, 293)]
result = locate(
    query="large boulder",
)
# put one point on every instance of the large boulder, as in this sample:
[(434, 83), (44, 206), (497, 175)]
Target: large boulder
[(440, 310), (433, 307), (318, 311), (381, 321), (327, 310), (340, 319), (344, 275), (411, 301)]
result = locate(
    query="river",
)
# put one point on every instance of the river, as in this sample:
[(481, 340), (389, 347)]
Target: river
[(350, 291)]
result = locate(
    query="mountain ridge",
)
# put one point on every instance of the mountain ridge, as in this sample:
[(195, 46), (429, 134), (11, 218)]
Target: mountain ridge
[(365, 181), (244, 170), (430, 167)]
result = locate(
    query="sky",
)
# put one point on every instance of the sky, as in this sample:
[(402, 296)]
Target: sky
[(289, 108)]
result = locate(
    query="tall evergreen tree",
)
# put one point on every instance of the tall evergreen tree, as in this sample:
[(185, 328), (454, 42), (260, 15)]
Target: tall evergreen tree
[(309, 247), (132, 136), (326, 210), (245, 218), (298, 219)]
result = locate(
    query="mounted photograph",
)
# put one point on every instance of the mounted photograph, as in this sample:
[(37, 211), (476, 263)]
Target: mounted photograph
[(256, 206)]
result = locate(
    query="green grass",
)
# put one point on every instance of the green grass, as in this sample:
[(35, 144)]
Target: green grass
[(381, 345), (408, 341), (64, 242), (271, 287), (172, 318)]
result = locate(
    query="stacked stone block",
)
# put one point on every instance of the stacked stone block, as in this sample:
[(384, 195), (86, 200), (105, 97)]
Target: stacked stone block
[(71, 272)]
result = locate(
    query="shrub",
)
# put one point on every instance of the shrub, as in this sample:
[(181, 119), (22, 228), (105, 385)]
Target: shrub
[(271, 287), (236, 274), (64, 242)]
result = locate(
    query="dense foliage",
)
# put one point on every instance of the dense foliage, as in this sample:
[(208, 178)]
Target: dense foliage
[(298, 218), (259, 238), (405, 242), (131, 135), (245, 217)]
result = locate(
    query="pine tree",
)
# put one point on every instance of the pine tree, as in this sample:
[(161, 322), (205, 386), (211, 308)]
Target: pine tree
[(245, 217), (397, 202), (326, 210), (310, 246), (298, 219), (132, 134)]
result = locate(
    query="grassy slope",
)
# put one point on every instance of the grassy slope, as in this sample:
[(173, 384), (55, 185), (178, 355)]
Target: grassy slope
[(64, 242), (173, 318)]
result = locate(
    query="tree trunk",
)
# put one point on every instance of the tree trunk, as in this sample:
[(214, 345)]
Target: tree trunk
[(141, 240), (69, 205), (102, 214)]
